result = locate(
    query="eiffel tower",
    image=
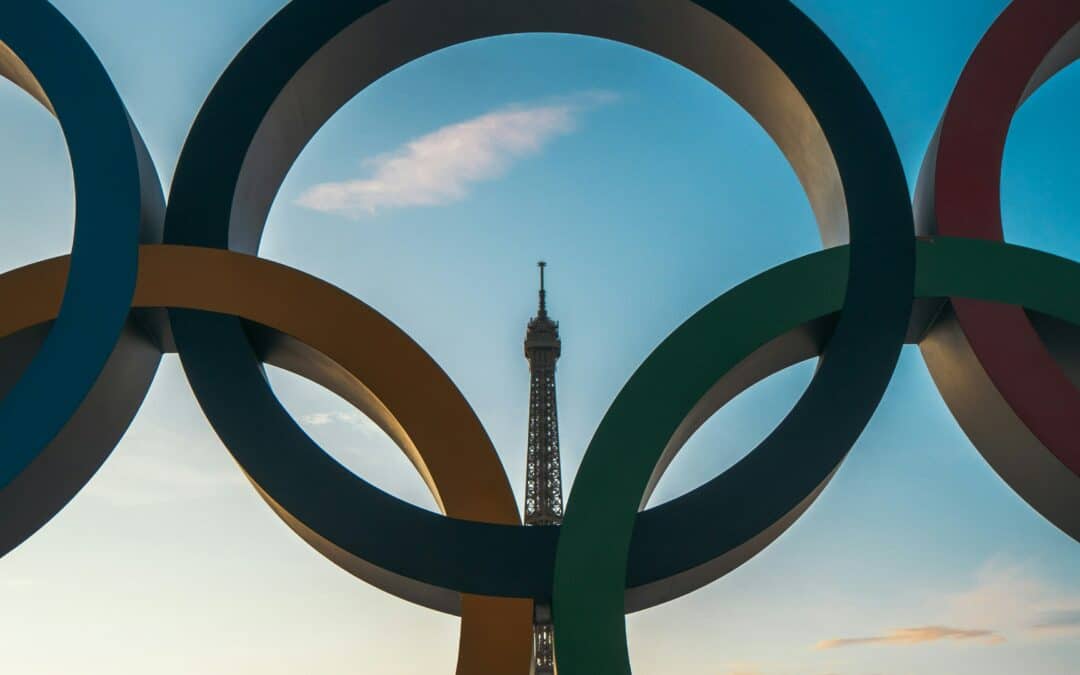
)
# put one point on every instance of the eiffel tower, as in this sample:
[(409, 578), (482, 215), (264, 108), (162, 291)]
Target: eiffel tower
[(543, 472)]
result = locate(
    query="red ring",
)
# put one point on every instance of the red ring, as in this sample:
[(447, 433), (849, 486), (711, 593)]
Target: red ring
[(1030, 41)]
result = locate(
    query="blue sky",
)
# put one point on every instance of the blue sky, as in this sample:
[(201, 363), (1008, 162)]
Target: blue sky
[(430, 197)]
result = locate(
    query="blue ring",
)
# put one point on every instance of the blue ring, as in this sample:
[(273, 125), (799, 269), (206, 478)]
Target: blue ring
[(115, 201)]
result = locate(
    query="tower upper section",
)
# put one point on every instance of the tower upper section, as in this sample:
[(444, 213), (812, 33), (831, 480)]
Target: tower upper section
[(543, 477), (542, 344)]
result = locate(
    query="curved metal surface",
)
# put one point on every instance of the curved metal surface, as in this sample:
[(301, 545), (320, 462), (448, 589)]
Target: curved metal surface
[(753, 501), (310, 327), (1009, 394), (474, 552), (313, 56), (91, 363), (81, 362)]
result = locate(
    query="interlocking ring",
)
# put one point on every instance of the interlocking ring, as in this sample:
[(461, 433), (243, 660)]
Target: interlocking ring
[(853, 304), (57, 384), (1015, 400)]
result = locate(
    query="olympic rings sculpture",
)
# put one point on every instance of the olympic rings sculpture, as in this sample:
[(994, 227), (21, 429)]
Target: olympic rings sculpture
[(81, 336)]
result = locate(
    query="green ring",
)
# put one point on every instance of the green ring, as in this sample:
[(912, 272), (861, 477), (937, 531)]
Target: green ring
[(794, 294)]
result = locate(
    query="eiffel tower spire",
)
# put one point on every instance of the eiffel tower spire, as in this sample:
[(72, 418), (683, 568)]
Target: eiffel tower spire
[(543, 292), (543, 473)]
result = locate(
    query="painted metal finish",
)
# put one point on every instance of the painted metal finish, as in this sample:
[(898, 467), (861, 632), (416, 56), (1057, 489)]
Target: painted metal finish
[(314, 56), (1005, 387), (232, 284), (89, 359), (81, 336)]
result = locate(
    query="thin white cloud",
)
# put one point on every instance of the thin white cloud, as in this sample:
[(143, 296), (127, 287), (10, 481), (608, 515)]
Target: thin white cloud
[(354, 419), (322, 419), (441, 167)]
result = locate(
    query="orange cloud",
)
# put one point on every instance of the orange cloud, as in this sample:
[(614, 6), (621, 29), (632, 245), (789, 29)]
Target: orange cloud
[(914, 636)]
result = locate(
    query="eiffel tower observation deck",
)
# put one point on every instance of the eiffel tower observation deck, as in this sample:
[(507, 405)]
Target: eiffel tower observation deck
[(543, 472)]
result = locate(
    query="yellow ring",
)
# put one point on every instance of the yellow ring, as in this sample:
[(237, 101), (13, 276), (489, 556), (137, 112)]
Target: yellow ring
[(399, 386)]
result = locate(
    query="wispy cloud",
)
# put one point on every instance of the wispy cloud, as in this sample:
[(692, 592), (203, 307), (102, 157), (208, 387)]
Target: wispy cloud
[(442, 166), (322, 419), (354, 419), (915, 636), (1015, 597)]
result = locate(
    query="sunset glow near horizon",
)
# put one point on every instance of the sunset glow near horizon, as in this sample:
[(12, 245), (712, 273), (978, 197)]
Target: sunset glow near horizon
[(430, 197)]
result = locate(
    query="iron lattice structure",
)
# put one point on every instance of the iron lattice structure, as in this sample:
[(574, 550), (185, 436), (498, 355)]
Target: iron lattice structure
[(543, 472)]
